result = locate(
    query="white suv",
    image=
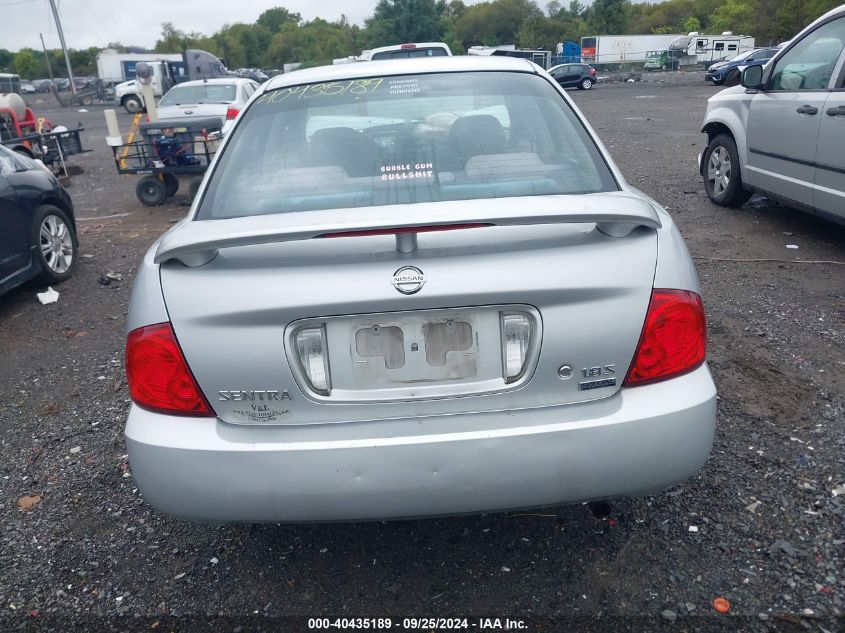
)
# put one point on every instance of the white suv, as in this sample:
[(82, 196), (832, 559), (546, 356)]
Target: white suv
[(782, 132)]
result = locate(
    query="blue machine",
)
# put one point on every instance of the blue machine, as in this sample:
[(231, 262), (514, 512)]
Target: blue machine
[(568, 53)]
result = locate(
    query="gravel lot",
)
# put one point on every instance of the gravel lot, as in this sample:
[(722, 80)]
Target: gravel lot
[(760, 525)]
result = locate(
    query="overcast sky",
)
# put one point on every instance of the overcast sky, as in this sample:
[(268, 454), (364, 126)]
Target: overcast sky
[(98, 22)]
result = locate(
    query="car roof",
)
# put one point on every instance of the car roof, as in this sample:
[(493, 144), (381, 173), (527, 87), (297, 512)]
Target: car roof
[(412, 66), (216, 80), (398, 47)]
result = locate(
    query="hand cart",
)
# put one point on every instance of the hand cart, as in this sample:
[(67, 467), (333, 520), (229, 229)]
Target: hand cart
[(166, 150)]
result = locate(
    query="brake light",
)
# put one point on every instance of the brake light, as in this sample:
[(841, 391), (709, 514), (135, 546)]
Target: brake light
[(593, 72), (673, 340), (403, 46), (158, 376), (231, 113), (432, 228)]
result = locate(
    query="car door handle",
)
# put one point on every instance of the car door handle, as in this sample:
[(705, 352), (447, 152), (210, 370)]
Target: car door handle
[(837, 111), (807, 109)]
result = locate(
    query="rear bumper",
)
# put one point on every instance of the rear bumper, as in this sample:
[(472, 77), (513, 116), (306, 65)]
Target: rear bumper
[(637, 441)]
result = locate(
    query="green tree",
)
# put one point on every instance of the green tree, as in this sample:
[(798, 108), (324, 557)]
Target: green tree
[(175, 41), (497, 22), (398, 21), (692, 23), (25, 63), (273, 19), (609, 17), (6, 59), (738, 16)]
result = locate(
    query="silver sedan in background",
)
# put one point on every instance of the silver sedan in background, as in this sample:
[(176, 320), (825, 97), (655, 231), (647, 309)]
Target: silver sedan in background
[(220, 98), (412, 288)]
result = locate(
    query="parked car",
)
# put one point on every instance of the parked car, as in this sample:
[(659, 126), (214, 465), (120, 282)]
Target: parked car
[(728, 71), (581, 76), (42, 85), (782, 132), (37, 224), (256, 74), (27, 87), (412, 288), (404, 51), (206, 98)]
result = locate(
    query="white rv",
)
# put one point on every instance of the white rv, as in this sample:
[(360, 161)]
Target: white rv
[(705, 49)]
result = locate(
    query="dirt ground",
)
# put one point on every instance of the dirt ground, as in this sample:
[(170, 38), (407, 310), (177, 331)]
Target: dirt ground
[(770, 532)]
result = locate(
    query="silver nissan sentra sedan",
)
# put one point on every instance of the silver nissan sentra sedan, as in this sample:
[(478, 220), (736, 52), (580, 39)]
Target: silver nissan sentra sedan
[(414, 288)]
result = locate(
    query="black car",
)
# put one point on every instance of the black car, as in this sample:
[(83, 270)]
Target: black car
[(581, 76), (37, 224)]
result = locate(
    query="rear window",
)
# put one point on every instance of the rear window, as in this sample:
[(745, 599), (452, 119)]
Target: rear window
[(403, 139), (206, 93)]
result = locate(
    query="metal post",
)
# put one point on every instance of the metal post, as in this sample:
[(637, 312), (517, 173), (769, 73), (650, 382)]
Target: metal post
[(47, 59), (64, 46)]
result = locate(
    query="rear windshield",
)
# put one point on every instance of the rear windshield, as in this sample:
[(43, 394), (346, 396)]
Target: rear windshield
[(206, 93), (403, 139), (436, 51)]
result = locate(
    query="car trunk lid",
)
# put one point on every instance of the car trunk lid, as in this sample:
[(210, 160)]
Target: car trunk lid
[(443, 349)]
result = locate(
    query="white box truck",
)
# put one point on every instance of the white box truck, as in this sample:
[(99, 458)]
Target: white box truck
[(621, 49), (168, 69), (115, 68)]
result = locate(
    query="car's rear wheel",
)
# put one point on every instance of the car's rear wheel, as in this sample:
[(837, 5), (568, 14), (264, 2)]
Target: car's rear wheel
[(722, 175), (193, 187), (56, 243), (586, 83), (151, 191)]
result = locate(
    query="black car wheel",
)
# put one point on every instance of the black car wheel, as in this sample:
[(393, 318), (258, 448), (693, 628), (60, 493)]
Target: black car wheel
[(132, 104), (151, 191), (586, 83), (732, 79), (721, 172), (56, 243), (171, 184), (193, 187)]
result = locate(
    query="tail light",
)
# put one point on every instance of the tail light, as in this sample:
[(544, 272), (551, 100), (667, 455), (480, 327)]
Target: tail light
[(313, 356), (516, 342), (231, 113), (593, 72), (673, 340), (158, 376)]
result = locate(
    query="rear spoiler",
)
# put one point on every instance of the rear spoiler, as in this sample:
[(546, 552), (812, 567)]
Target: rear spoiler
[(196, 242)]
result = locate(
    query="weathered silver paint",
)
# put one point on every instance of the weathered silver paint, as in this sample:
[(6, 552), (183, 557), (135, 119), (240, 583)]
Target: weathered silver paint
[(585, 264), (638, 441)]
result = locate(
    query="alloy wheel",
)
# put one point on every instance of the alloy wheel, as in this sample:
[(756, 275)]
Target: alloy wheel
[(56, 244), (719, 170)]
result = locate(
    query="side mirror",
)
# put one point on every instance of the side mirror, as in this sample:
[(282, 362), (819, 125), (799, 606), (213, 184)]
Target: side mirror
[(752, 78)]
